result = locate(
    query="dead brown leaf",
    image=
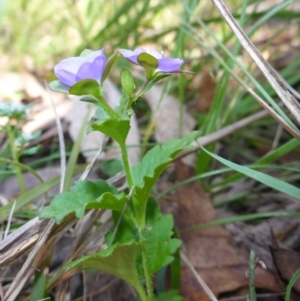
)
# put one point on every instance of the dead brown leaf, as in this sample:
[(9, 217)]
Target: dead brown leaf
[(211, 251), (287, 262)]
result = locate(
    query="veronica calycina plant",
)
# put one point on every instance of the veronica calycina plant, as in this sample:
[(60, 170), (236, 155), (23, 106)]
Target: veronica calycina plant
[(143, 242)]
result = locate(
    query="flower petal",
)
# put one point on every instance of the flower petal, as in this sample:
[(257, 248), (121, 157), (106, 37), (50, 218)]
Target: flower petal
[(95, 54), (169, 64), (92, 70), (154, 53), (132, 55), (66, 77), (66, 70)]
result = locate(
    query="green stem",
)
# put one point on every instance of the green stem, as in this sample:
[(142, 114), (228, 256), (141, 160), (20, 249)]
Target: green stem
[(15, 156), (136, 95), (104, 104), (140, 220), (252, 265), (142, 294), (126, 164), (109, 109), (148, 279), (130, 182)]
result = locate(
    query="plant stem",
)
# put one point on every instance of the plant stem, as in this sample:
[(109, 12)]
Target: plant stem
[(126, 165), (130, 182), (252, 265), (140, 220), (15, 156), (148, 279), (136, 95), (142, 294)]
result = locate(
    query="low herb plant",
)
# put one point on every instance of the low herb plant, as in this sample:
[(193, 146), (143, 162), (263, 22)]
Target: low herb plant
[(141, 242), (15, 147)]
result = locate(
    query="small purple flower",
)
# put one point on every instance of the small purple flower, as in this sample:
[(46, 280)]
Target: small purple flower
[(165, 65), (74, 69)]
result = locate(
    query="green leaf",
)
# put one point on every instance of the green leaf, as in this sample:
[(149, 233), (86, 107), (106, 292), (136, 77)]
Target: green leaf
[(171, 295), (84, 195), (269, 181), (57, 86), (146, 173), (87, 87), (123, 102), (175, 268), (115, 128), (127, 230), (293, 280), (159, 242), (108, 66), (90, 99), (127, 81), (31, 151), (149, 63), (117, 260), (111, 167), (92, 87), (38, 290)]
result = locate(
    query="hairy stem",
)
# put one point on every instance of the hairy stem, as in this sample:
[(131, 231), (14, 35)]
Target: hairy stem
[(126, 165), (140, 220), (148, 279), (142, 295)]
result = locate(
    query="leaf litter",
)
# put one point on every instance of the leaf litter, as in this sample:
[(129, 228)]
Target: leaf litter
[(219, 259)]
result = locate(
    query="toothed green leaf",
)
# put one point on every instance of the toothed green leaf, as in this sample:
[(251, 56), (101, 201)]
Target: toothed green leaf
[(146, 173), (84, 195), (159, 242), (115, 128), (117, 260)]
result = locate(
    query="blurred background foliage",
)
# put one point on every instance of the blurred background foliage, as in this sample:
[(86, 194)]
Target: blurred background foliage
[(37, 34)]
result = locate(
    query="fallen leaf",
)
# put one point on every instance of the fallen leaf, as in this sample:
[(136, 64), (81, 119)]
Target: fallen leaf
[(211, 251), (287, 262)]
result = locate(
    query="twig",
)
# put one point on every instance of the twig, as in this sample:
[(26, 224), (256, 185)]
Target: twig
[(280, 120), (94, 161), (207, 290), (278, 85), (277, 137), (62, 146), (9, 219), (220, 134)]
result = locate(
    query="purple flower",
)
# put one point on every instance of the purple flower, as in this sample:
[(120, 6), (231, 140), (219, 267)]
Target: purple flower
[(74, 69), (165, 65)]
